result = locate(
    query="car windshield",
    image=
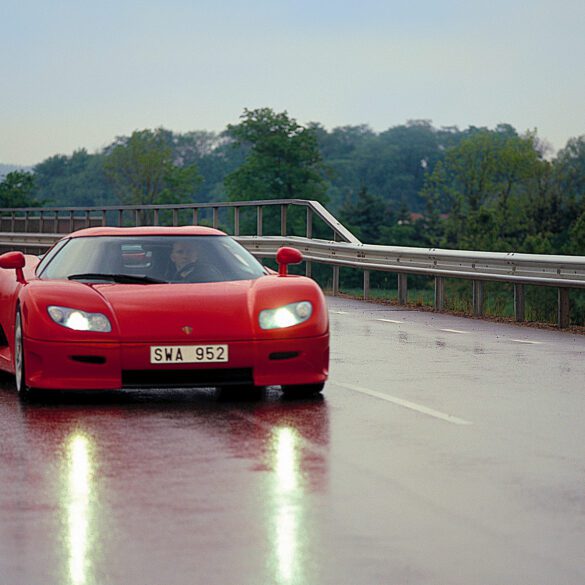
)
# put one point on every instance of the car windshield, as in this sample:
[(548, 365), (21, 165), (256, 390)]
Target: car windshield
[(151, 260)]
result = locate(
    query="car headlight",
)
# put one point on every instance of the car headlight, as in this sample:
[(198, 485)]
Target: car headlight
[(286, 316), (79, 320)]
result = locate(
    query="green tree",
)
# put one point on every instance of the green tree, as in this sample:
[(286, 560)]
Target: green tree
[(18, 189), (340, 149), (570, 167), (481, 183), (439, 197), (214, 156), (394, 164), (569, 172), (366, 216), (76, 180), (283, 160), (546, 212), (143, 172), (577, 234)]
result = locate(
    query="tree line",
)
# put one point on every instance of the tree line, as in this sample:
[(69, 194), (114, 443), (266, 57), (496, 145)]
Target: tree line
[(413, 184)]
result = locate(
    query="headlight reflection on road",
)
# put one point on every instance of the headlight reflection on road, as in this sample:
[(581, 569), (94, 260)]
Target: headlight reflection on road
[(78, 502), (286, 460), (287, 512)]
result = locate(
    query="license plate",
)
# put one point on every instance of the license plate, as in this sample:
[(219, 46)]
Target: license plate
[(188, 354)]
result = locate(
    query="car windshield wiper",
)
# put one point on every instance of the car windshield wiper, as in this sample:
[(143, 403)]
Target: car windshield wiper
[(119, 278)]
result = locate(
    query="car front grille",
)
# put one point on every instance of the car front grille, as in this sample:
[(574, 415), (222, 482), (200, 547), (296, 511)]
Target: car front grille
[(193, 378)]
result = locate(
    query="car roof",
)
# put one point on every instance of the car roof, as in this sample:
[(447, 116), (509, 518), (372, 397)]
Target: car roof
[(186, 230)]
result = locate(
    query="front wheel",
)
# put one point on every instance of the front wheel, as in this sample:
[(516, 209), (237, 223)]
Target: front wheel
[(302, 390), (23, 390)]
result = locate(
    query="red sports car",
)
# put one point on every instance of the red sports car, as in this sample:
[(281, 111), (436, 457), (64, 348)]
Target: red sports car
[(154, 307)]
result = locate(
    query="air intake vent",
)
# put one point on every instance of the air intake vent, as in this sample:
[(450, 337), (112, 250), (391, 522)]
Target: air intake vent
[(283, 355), (186, 378), (89, 359)]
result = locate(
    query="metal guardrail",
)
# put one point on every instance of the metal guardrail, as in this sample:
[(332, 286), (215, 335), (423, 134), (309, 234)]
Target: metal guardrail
[(540, 270), (27, 241), (562, 272), (68, 219)]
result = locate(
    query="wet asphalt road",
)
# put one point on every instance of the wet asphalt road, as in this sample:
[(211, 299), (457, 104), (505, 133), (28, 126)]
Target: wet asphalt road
[(444, 451)]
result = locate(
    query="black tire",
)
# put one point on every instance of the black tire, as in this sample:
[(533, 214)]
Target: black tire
[(302, 390), (24, 391)]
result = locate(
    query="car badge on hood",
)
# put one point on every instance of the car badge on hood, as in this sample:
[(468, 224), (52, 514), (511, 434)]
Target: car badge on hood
[(187, 330)]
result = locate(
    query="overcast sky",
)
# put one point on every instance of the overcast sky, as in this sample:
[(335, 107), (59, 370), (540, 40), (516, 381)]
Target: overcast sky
[(76, 74)]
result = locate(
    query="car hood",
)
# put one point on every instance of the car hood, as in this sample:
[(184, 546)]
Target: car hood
[(181, 312)]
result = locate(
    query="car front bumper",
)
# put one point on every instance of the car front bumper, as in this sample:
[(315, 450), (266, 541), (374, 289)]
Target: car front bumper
[(112, 366)]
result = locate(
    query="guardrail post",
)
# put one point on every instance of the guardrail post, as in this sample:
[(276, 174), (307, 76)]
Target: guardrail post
[(195, 216), (283, 220), (104, 218), (308, 265), (439, 293), (402, 289), (519, 302), (175, 217), (26, 221), (563, 312), (236, 221), (366, 284), (259, 220), (41, 222), (136, 217), (335, 283), (215, 217), (478, 298)]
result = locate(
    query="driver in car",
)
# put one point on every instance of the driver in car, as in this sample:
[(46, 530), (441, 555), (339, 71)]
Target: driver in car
[(184, 256)]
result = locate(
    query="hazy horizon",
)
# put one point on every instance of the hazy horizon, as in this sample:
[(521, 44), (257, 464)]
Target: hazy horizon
[(77, 75)]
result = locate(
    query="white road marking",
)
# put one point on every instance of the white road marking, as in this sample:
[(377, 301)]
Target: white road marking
[(452, 331), (526, 341), (405, 403), (390, 321), (339, 312)]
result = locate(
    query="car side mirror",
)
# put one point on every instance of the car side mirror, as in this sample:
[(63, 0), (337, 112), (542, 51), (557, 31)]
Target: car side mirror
[(16, 261), (286, 256)]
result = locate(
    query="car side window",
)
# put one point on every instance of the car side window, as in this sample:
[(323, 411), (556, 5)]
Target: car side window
[(52, 252), (81, 255)]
